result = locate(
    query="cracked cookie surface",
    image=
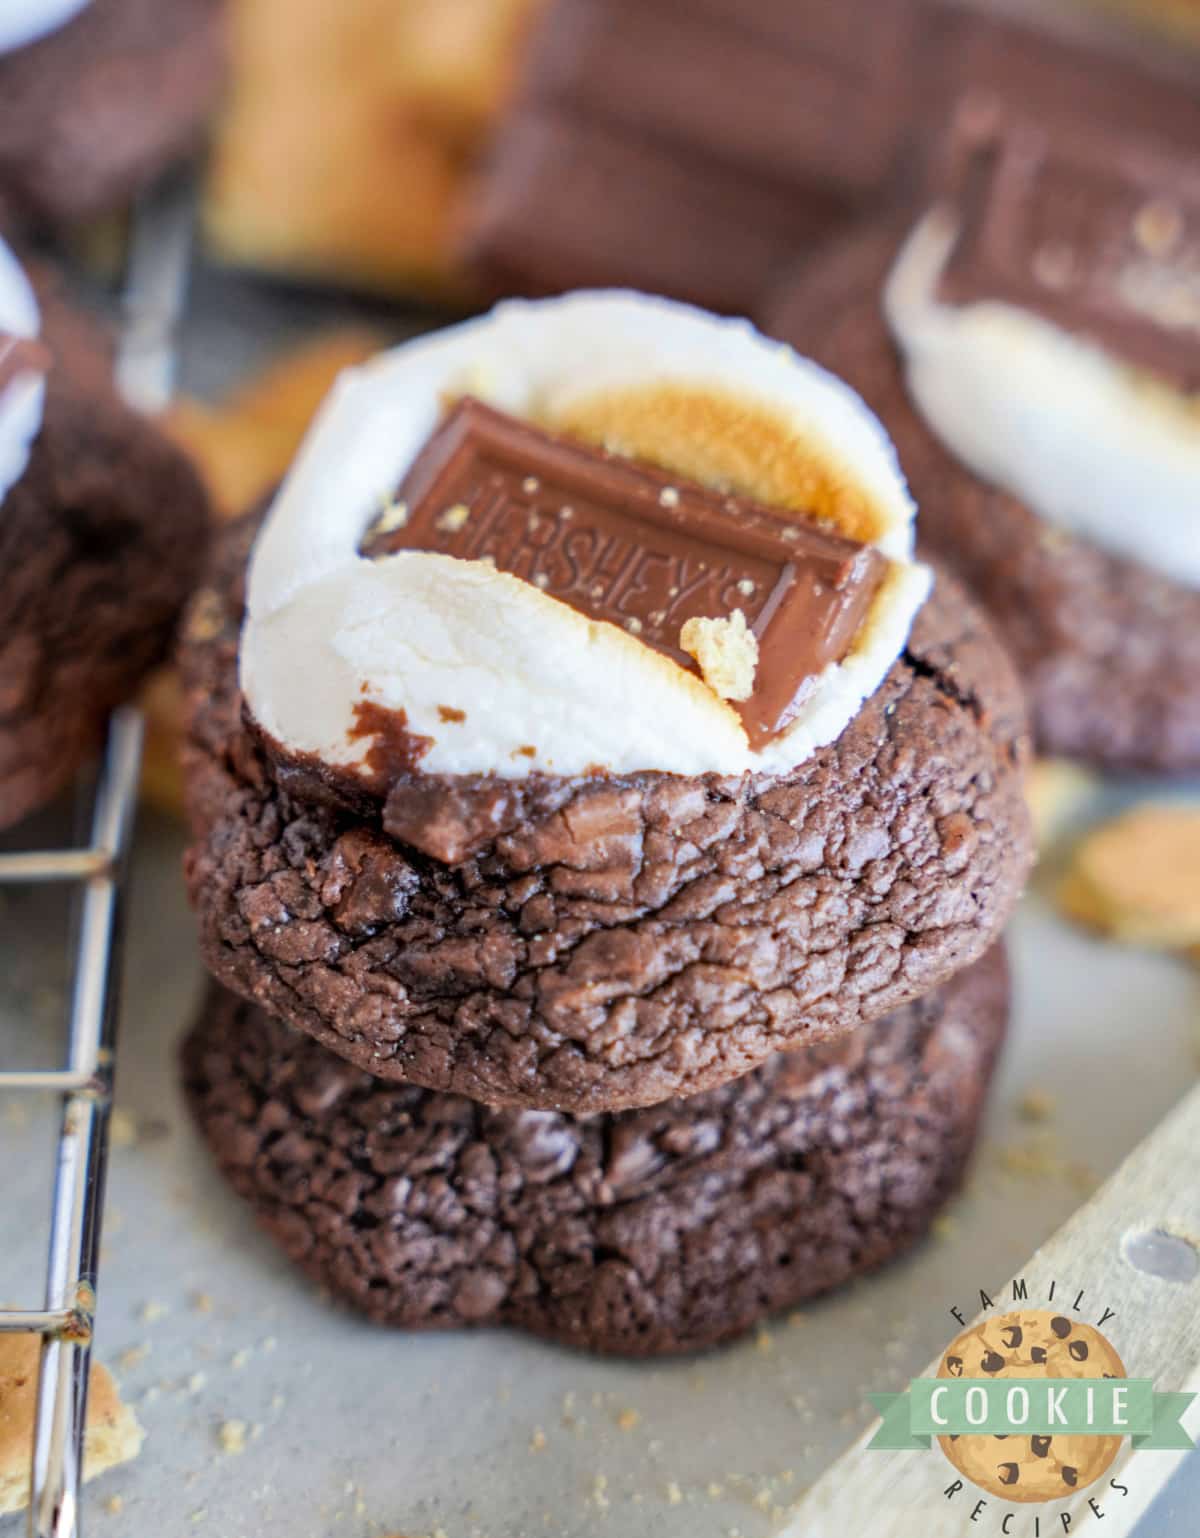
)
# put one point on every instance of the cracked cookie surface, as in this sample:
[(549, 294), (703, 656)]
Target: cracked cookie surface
[(641, 1232), (1109, 650), (621, 940)]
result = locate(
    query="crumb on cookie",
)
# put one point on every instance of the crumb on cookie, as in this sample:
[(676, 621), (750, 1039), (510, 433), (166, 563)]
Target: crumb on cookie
[(727, 652)]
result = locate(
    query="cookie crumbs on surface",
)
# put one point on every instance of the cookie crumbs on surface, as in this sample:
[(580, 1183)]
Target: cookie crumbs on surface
[(764, 1341), (152, 1311), (114, 1505), (599, 1492), (627, 1420), (715, 1491), (232, 1436), (674, 1494), (196, 1382), (1037, 1105), (537, 1442), (727, 652), (202, 1302), (122, 1129), (132, 1355), (454, 519)]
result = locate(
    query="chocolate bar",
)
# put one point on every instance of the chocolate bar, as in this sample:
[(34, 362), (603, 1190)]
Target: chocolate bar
[(691, 150), (1086, 214), (624, 542)]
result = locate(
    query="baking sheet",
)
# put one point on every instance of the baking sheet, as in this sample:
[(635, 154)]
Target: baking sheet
[(270, 1413)]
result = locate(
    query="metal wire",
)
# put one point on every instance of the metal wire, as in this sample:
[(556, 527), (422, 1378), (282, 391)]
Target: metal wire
[(65, 1321), (155, 289)]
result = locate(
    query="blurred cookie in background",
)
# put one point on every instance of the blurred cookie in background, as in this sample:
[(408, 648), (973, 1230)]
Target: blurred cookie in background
[(1030, 335), (350, 134), (102, 534), (98, 97), (693, 152)]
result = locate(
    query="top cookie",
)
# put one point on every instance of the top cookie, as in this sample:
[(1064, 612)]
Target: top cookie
[(468, 828)]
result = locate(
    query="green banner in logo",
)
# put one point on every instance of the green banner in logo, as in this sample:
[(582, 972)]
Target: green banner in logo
[(1100, 1407)]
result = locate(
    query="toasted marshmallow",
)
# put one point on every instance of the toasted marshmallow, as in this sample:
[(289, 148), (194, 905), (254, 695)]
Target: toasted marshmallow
[(499, 677), (22, 399), (1089, 443), (23, 21)]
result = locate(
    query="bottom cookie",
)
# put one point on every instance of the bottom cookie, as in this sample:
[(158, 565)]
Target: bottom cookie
[(641, 1232)]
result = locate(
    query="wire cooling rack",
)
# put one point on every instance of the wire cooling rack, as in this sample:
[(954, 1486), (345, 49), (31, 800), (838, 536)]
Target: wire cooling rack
[(155, 286)]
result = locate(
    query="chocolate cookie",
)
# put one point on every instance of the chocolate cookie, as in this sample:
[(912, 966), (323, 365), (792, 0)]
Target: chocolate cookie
[(101, 539), (618, 940), (96, 108), (641, 1233), (1109, 649), (693, 150)]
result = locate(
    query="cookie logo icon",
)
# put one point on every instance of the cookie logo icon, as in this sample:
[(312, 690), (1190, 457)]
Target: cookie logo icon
[(1030, 1344)]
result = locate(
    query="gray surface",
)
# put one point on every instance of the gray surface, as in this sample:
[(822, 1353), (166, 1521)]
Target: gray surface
[(353, 1431)]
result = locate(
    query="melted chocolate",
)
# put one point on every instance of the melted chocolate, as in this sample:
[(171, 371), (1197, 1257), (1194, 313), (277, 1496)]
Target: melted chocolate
[(394, 752), (623, 542)]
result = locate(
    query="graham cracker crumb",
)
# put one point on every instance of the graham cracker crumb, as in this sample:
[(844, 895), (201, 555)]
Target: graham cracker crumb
[(1037, 1105), (454, 519), (122, 1129), (232, 1436), (394, 516), (727, 651)]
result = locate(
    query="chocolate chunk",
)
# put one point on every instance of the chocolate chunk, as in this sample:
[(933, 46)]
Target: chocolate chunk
[(691, 150), (1037, 1355), (954, 1366), (1012, 1336), (992, 1362), (1070, 1475), (1060, 1326), (1078, 1350), (1009, 1473), (623, 542), (1097, 231), (1039, 1446)]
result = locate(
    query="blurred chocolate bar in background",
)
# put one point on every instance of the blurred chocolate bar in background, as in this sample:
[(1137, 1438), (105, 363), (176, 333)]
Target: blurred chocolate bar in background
[(693, 149), (1075, 179)]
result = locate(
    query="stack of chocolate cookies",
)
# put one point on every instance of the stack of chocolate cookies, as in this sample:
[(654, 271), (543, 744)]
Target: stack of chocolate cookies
[(603, 828)]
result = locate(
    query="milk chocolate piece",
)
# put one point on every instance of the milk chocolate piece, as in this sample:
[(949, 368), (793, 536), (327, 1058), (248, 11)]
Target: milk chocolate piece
[(624, 542), (691, 150), (1088, 216), (21, 355)]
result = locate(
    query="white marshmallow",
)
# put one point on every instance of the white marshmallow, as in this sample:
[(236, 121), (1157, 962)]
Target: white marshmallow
[(327, 629), (23, 21), (22, 400), (1085, 441)]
